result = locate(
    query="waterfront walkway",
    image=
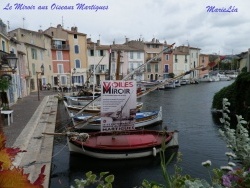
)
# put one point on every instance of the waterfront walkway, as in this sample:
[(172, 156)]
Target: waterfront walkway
[(31, 118)]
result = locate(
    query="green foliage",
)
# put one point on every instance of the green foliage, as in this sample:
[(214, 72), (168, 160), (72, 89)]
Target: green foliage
[(238, 93), (244, 69), (4, 84), (237, 140), (104, 180), (171, 75)]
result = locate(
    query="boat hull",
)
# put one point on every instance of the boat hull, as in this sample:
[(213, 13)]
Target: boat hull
[(136, 144), (146, 119)]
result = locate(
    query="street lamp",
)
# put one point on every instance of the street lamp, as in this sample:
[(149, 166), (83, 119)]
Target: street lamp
[(74, 71), (37, 73), (7, 61)]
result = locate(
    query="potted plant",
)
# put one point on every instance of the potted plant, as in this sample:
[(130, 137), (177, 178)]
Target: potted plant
[(5, 83)]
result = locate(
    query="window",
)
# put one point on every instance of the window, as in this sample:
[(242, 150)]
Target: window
[(41, 54), (176, 60), (75, 36), (33, 53), (156, 68), (79, 80), (3, 45), (33, 68), (167, 57), (138, 55), (102, 67), (59, 55), (91, 52), (60, 68), (165, 68), (186, 59), (203, 60), (101, 53), (43, 81), (76, 49), (131, 55), (77, 63), (148, 68), (63, 79)]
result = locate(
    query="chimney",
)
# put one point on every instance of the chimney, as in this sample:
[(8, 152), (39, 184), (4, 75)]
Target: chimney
[(88, 40), (114, 42), (98, 43), (153, 40), (40, 30), (127, 40), (74, 29), (59, 26)]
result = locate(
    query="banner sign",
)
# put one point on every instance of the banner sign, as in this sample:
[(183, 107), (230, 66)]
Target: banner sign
[(118, 105)]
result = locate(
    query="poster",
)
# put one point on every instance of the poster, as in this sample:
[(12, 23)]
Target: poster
[(118, 105)]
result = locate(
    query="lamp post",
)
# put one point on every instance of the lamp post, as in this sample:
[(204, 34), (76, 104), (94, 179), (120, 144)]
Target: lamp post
[(74, 71), (7, 61), (38, 88)]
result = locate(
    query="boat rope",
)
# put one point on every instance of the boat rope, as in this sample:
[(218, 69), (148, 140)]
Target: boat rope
[(170, 80), (168, 49), (59, 151), (92, 72)]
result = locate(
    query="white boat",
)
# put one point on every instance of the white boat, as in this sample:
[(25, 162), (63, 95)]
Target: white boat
[(80, 100), (148, 84), (93, 108), (233, 75), (142, 119), (177, 83), (170, 84), (223, 77)]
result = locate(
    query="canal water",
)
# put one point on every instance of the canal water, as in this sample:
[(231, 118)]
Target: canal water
[(186, 109)]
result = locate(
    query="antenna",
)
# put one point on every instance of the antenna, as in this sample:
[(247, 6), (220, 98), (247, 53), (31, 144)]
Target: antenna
[(99, 37), (62, 21), (8, 25), (23, 21)]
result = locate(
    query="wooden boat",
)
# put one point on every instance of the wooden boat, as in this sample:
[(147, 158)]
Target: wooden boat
[(76, 100), (142, 119), (93, 108), (122, 144)]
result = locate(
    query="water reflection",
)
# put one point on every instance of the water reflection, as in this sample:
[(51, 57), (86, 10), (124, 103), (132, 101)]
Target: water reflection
[(128, 173), (186, 109)]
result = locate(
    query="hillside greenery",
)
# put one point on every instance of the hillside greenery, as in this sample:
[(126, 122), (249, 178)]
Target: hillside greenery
[(238, 93)]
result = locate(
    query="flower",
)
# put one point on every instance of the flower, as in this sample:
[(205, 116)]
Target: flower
[(226, 181), (231, 164), (230, 154), (206, 163), (228, 168)]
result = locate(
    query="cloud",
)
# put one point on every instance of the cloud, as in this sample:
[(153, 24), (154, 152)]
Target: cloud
[(182, 22)]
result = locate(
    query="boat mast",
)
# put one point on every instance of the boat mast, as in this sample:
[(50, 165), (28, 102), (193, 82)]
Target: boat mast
[(117, 75), (110, 54), (94, 82)]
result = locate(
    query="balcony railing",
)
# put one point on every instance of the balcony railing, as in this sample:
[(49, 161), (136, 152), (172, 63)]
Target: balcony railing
[(154, 60), (60, 47)]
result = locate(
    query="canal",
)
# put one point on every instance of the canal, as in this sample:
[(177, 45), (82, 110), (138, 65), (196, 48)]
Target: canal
[(186, 109)]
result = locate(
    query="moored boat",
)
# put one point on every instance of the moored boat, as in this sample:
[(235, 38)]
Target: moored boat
[(142, 119), (93, 108), (122, 144)]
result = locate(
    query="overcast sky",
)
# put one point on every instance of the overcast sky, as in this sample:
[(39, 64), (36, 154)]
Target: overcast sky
[(176, 21)]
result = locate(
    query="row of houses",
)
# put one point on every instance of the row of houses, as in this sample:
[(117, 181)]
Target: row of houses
[(69, 59)]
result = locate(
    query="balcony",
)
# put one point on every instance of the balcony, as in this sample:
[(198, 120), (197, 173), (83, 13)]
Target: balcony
[(60, 47), (156, 60)]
